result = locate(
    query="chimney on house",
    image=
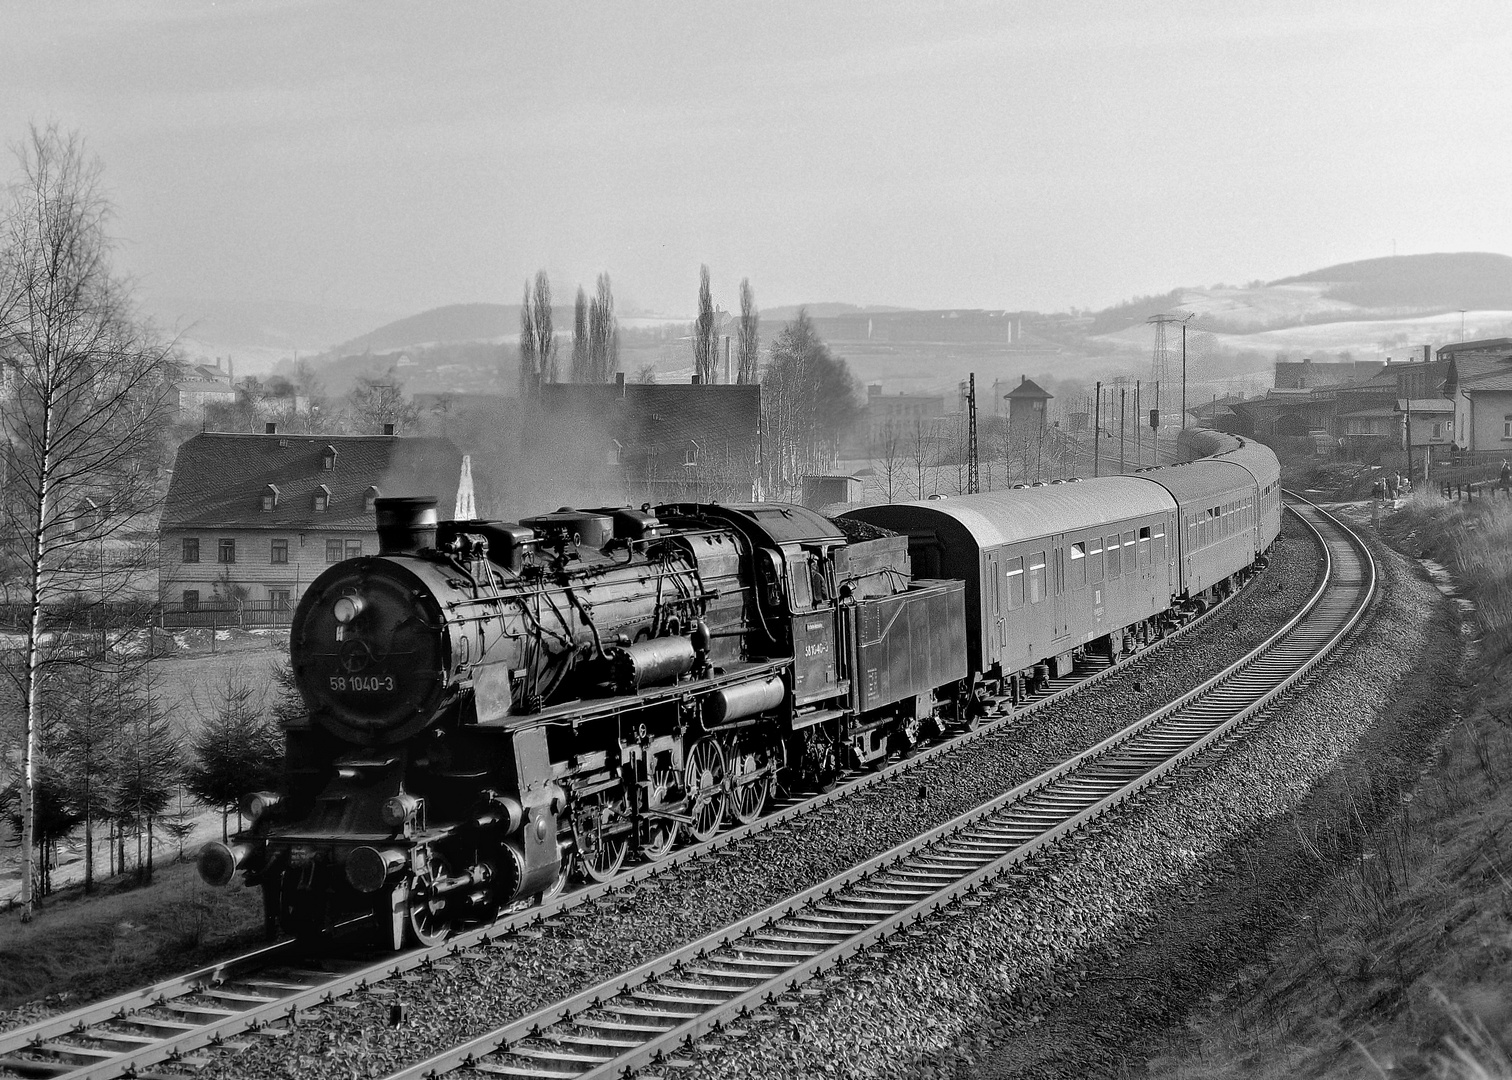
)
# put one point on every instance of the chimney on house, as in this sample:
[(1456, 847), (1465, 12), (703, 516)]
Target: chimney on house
[(388, 429), (697, 381), (270, 428)]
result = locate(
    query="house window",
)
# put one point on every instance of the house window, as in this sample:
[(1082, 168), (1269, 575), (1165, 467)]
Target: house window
[(354, 549), (191, 599), (226, 553), (333, 551), (1507, 427), (1438, 431), (280, 552), (191, 549), (328, 458), (370, 499), (279, 599)]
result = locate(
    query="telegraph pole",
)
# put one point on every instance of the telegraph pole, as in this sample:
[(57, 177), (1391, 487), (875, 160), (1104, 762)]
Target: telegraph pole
[(1138, 435), (1097, 434), (973, 477), (1123, 396)]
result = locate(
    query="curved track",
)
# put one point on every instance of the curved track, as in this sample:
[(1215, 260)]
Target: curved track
[(174, 1018), (645, 1015)]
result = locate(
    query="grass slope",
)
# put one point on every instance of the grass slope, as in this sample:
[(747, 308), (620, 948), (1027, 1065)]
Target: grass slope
[(1400, 964)]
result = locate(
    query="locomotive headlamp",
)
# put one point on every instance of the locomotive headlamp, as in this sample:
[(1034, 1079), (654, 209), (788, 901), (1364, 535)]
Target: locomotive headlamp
[(260, 802), (347, 608), (400, 810)]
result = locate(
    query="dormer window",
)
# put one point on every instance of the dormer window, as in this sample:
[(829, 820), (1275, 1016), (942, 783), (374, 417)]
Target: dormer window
[(269, 498), (322, 498), (616, 452), (328, 458), (690, 455), (370, 499)]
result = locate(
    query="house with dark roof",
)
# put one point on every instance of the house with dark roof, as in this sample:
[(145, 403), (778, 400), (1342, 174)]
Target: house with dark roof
[(1028, 405), (251, 519), (631, 443)]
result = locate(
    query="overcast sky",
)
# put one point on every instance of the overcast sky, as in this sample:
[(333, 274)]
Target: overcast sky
[(1043, 155)]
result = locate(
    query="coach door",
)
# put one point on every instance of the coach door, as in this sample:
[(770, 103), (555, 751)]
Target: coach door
[(1062, 601), (994, 628), (816, 672)]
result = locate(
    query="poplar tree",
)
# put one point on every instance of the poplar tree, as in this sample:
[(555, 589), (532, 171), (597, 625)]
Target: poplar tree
[(603, 334), (705, 331), (582, 369), (748, 341)]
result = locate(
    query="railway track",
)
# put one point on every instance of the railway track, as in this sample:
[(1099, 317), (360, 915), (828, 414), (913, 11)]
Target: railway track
[(251, 996), (645, 1016)]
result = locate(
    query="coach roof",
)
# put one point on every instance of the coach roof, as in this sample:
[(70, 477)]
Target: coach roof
[(994, 518)]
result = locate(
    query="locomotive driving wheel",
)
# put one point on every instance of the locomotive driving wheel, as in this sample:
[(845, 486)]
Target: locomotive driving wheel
[(429, 921), (750, 777), (704, 778), (600, 856), (661, 832)]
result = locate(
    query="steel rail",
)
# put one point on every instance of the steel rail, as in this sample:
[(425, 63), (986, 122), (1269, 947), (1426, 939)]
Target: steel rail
[(639, 1017), (133, 1031)]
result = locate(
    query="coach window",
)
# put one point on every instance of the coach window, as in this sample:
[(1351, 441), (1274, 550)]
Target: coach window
[(1036, 577), (1128, 555), (1095, 560), (1078, 565), (1014, 572), (1114, 562), (1144, 548)]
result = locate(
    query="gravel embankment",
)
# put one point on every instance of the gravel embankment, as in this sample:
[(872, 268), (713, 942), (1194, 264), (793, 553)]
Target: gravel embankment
[(480, 991), (1082, 962)]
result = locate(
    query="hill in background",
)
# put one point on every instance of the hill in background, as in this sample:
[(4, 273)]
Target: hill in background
[(1473, 280)]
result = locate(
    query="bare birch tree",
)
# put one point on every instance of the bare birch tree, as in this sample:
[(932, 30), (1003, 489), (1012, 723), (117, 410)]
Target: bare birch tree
[(748, 342), (83, 407)]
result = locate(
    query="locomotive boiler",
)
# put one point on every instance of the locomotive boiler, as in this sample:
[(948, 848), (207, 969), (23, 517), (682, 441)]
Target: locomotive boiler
[(495, 706)]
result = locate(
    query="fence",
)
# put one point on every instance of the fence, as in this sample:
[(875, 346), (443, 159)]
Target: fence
[(251, 613)]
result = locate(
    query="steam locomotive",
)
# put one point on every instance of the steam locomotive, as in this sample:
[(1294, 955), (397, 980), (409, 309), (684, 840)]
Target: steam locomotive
[(495, 707)]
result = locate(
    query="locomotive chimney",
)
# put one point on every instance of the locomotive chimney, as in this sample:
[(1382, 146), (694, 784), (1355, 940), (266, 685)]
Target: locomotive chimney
[(405, 525)]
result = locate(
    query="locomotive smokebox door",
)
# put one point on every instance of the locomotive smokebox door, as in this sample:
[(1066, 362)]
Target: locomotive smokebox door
[(815, 662)]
